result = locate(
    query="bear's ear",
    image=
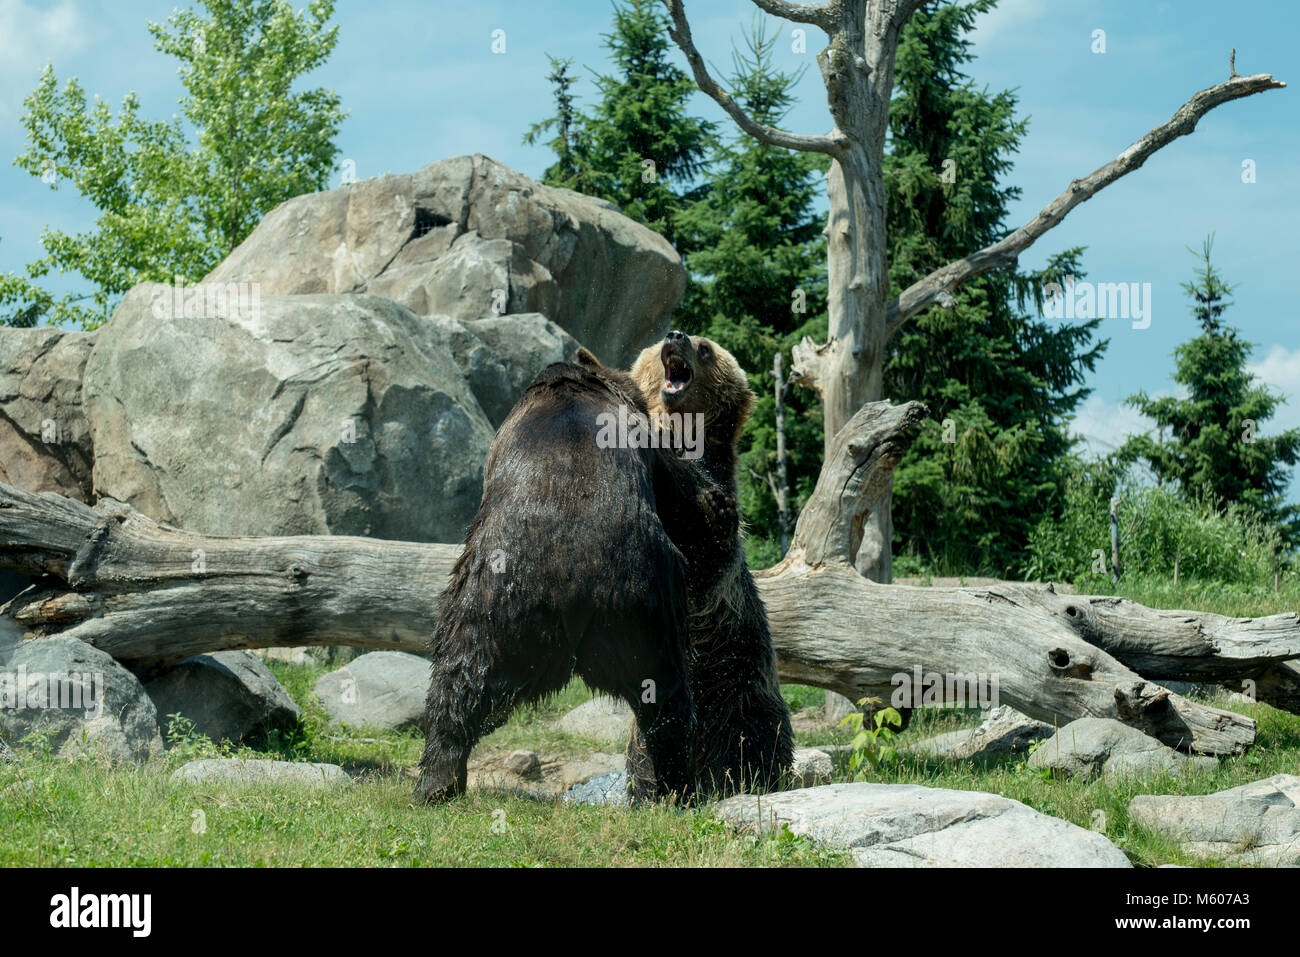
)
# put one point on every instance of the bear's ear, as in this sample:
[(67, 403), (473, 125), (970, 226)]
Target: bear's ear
[(585, 358)]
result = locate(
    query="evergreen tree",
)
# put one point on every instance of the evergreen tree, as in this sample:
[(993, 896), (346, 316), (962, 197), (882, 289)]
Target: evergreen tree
[(567, 169), (759, 283), (967, 493), (1214, 448), (638, 146)]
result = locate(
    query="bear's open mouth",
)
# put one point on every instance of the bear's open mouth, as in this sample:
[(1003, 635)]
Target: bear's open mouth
[(677, 372)]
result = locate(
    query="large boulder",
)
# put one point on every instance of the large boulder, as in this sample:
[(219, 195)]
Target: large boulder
[(382, 689), (906, 825), (1256, 824), (75, 697), (285, 415), (229, 695), (467, 237), (500, 355), (1091, 746), (44, 436)]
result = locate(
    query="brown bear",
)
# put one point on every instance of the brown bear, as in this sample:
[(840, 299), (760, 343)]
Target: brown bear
[(744, 738), (576, 563)]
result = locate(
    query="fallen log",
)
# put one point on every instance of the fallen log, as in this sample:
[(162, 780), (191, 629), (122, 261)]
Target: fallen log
[(151, 595)]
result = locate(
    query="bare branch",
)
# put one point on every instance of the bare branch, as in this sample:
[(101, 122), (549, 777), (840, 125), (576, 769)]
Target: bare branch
[(680, 31), (818, 14), (937, 288)]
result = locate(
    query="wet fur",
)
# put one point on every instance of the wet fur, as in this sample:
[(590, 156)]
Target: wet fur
[(596, 546), (744, 739)]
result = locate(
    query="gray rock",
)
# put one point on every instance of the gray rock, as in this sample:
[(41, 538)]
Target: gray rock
[(382, 689), (1254, 824), (229, 695), (467, 237), (240, 771), (811, 767), (7, 756), (1004, 731), (905, 825), (501, 355), (78, 697), (297, 655), (602, 719), (523, 762), (313, 415), (608, 788), (837, 708), (44, 437), (1091, 746)]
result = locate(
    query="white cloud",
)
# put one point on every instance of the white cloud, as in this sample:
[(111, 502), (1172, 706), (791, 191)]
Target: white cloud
[(31, 33), (1007, 15), (1280, 371), (1103, 426)]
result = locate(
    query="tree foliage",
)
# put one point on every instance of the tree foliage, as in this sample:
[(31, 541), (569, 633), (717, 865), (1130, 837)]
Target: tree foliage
[(171, 204), (638, 146), (1214, 449), (1000, 384)]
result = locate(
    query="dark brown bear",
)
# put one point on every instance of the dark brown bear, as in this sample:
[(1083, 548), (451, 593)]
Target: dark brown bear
[(743, 738), (576, 563)]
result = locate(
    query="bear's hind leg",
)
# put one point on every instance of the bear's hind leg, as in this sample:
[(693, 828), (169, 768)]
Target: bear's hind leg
[(647, 670), (474, 692)]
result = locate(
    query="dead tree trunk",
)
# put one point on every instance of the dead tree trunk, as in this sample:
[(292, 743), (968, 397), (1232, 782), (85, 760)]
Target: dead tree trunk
[(857, 68), (150, 595), (782, 485)]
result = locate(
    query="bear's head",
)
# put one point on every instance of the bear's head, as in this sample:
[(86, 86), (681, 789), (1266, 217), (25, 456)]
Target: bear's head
[(691, 374)]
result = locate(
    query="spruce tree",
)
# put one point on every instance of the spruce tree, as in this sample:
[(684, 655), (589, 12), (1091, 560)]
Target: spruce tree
[(1000, 384), (637, 146), (1213, 448)]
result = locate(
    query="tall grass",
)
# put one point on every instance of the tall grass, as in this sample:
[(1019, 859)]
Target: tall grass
[(1161, 531)]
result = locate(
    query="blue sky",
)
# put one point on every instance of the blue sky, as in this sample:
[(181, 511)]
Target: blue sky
[(421, 83)]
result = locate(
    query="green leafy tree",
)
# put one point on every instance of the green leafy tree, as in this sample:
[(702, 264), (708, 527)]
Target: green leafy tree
[(1214, 448), (638, 146), (1000, 384), (759, 281), (168, 206)]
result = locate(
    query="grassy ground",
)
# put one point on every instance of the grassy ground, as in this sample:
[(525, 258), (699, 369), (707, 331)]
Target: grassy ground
[(57, 813)]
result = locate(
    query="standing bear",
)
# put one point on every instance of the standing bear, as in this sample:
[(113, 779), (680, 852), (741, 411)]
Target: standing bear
[(744, 739), (576, 563)]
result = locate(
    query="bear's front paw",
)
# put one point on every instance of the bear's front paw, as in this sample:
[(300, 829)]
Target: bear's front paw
[(720, 512)]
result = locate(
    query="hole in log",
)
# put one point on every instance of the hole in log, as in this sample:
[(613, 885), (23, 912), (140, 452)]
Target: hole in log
[(1059, 657), (1071, 611)]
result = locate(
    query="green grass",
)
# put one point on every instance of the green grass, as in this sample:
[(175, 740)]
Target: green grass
[(85, 813)]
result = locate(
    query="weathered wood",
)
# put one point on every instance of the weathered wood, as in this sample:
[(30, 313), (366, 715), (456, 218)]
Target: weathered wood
[(1187, 645), (838, 630), (835, 524), (938, 286)]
